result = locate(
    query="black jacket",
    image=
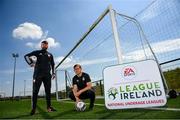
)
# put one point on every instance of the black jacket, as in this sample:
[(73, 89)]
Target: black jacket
[(44, 63)]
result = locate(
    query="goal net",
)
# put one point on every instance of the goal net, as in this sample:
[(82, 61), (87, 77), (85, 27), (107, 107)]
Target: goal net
[(112, 39)]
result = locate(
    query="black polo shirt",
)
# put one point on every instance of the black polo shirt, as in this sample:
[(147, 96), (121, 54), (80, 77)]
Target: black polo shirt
[(44, 63), (82, 81)]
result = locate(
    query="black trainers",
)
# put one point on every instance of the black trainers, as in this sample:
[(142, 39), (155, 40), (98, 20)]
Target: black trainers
[(32, 112), (91, 106), (51, 109)]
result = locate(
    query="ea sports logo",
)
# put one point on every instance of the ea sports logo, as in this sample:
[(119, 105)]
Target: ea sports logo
[(129, 72), (112, 93)]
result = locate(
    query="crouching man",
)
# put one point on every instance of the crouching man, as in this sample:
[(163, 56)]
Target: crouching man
[(82, 87)]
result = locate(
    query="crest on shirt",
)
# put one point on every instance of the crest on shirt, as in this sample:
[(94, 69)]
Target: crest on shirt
[(49, 55), (83, 79), (77, 80)]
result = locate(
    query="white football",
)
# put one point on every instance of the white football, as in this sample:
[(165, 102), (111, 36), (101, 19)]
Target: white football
[(80, 106), (34, 59)]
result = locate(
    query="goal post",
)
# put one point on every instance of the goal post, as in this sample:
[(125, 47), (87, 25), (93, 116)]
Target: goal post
[(112, 39), (116, 34)]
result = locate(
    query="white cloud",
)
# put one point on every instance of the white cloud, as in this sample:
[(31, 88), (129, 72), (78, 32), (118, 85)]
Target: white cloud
[(97, 61), (158, 48), (166, 46), (58, 59), (66, 64), (27, 30), (69, 62), (30, 44), (31, 31)]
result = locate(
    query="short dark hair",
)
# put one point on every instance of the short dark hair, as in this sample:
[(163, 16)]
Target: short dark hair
[(45, 42), (77, 65)]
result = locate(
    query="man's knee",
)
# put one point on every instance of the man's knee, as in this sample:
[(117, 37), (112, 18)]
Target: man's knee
[(48, 91), (91, 93), (35, 92)]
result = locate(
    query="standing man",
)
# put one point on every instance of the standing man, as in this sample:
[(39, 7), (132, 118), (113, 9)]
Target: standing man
[(42, 73), (82, 87)]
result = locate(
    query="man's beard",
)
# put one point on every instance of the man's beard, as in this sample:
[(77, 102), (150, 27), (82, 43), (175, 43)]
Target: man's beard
[(44, 48)]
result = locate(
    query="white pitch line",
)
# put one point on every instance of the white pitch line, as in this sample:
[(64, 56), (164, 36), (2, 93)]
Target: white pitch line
[(168, 109), (86, 103)]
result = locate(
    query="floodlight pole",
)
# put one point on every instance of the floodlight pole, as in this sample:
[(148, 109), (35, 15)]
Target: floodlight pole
[(24, 88), (116, 35), (14, 56)]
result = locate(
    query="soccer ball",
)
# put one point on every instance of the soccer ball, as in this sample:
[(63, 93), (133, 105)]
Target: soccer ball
[(34, 59), (80, 106)]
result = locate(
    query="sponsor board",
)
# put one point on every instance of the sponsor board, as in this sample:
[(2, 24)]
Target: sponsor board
[(133, 85)]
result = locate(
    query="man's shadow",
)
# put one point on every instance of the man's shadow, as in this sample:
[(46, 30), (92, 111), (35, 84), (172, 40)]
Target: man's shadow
[(43, 113)]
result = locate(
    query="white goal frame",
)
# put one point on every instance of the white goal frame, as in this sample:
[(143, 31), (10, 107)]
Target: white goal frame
[(112, 13)]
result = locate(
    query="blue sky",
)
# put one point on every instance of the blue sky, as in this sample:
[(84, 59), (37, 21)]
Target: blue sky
[(63, 21)]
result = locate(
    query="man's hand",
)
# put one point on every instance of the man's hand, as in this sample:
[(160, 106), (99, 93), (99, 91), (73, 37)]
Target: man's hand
[(53, 76), (88, 87), (32, 65), (77, 100), (78, 93)]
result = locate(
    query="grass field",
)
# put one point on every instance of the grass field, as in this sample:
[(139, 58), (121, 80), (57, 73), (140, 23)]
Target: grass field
[(65, 109)]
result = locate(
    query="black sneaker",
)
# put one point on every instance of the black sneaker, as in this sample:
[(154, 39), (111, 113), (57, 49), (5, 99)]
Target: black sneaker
[(32, 112), (51, 109), (91, 106)]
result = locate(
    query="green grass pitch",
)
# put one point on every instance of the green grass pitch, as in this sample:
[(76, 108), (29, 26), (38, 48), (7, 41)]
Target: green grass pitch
[(65, 110)]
